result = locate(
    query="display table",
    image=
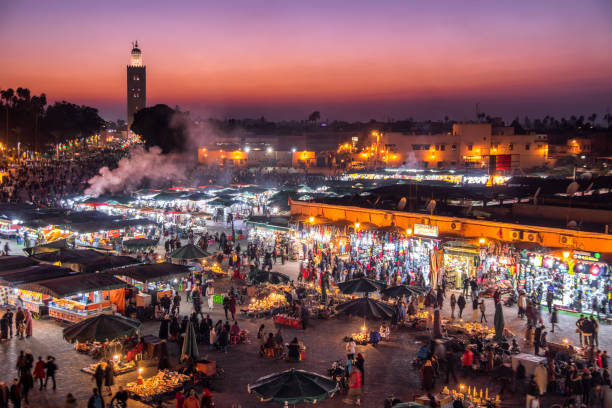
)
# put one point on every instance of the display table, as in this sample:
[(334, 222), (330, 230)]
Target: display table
[(529, 361), (77, 315), (38, 308), (445, 401), (120, 368), (164, 383), (285, 320)]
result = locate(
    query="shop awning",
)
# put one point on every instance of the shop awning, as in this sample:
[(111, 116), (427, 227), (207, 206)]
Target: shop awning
[(152, 272), (273, 223), (15, 262), (85, 260), (73, 284), (48, 247), (461, 248), (33, 274)]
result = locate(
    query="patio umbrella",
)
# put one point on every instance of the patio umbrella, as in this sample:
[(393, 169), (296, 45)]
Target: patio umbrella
[(360, 285), (190, 343), (139, 243), (498, 321), (293, 386), (403, 290), (366, 308), (188, 252), (101, 327)]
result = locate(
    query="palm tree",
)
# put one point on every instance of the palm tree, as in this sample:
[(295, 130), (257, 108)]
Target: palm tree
[(37, 103), (8, 96), (314, 117)]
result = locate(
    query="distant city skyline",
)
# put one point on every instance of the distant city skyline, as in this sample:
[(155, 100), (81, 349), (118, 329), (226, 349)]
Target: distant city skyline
[(350, 60)]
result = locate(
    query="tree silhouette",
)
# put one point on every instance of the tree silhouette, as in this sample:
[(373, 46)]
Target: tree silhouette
[(314, 117), (162, 126)]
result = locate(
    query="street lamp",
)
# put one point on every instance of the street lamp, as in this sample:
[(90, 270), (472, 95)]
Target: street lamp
[(269, 150)]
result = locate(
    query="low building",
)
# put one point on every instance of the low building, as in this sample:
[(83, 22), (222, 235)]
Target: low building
[(470, 145), (214, 157)]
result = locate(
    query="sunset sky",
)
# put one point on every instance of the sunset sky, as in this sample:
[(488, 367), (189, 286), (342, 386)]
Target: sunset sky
[(350, 59)]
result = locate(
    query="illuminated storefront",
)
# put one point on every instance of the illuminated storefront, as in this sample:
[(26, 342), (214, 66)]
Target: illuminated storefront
[(576, 278)]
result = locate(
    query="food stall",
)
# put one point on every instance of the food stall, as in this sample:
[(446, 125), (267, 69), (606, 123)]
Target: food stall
[(79, 296), (36, 303), (164, 383), (154, 280)]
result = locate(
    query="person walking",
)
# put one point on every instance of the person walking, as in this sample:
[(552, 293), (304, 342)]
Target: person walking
[(232, 306), (532, 398), (537, 335), (70, 401), (579, 328), (475, 309), (51, 368), (360, 364), (350, 349), (522, 304), (39, 371), (451, 362), (453, 302), (15, 394), (96, 400), (20, 322), (4, 395), (594, 339), (461, 303), (109, 377), (549, 300), (98, 377), (587, 332), (554, 319), (483, 309), (355, 383), (26, 382)]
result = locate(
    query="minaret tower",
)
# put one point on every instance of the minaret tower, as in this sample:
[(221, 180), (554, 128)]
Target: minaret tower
[(136, 84)]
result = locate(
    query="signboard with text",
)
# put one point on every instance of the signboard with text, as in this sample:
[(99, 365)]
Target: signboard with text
[(426, 230)]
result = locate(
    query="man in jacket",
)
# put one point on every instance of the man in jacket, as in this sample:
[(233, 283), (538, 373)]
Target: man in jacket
[(461, 304)]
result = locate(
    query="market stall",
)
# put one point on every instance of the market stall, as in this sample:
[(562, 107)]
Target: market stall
[(79, 296), (461, 260), (154, 280), (34, 302), (163, 384), (577, 279)]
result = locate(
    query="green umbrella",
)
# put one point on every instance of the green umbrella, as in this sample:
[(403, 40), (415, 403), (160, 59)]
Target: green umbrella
[(499, 322), (190, 344), (293, 386)]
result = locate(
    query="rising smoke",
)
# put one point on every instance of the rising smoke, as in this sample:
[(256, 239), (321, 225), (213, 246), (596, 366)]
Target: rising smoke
[(141, 165), (150, 165)]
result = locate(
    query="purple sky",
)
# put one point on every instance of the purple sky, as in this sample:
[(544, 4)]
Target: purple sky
[(350, 59)]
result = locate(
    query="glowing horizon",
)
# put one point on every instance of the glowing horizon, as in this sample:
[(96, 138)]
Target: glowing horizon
[(348, 59)]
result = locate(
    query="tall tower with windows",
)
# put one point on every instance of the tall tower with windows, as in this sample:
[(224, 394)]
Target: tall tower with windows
[(136, 84)]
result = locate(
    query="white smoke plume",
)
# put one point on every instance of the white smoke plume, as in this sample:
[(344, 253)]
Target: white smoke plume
[(132, 171)]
